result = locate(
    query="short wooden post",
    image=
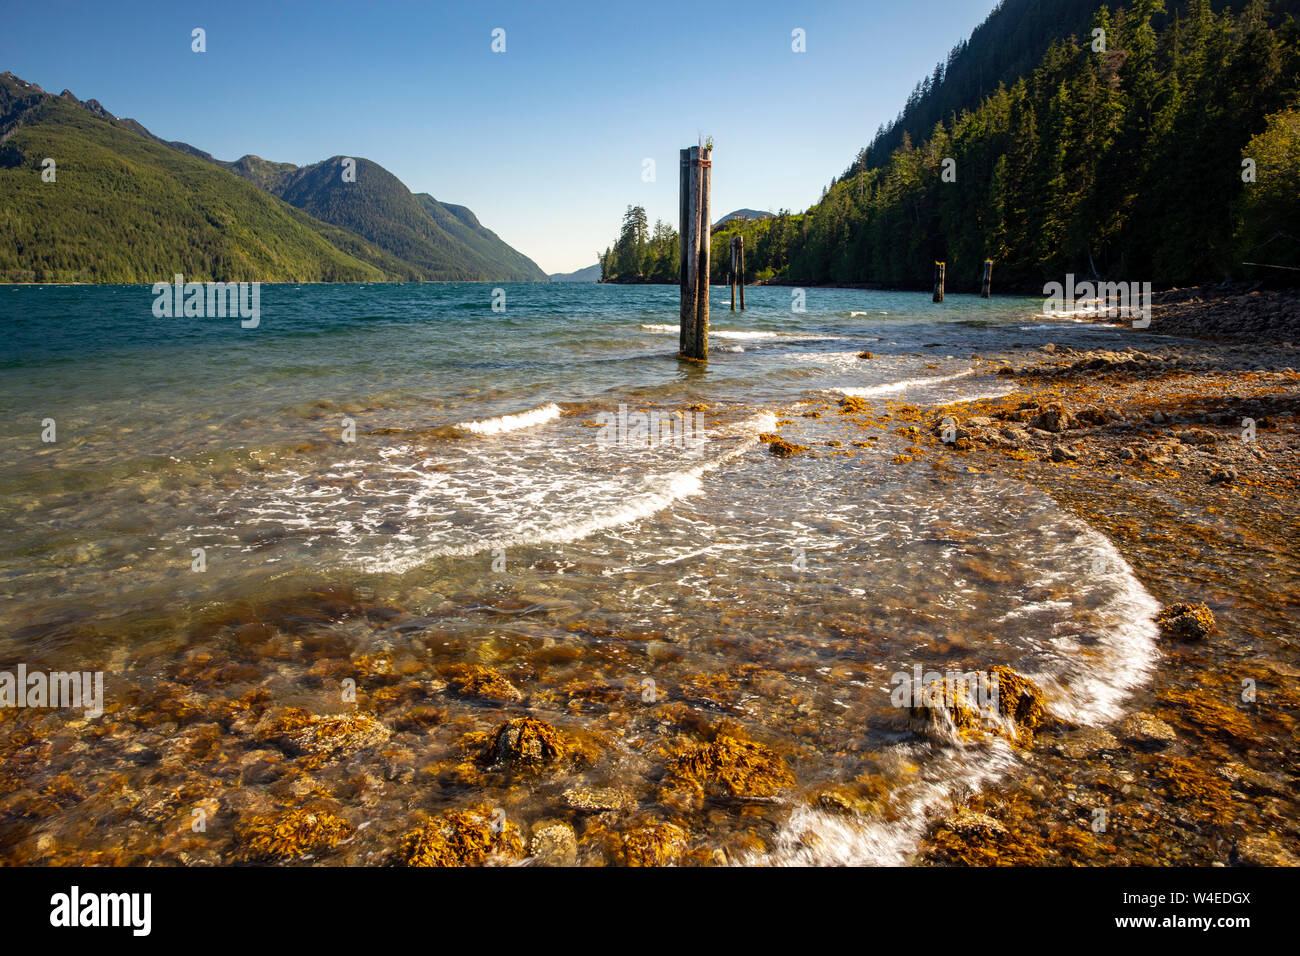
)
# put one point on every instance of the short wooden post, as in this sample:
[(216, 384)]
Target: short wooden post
[(740, 275), (695, 247), (938, 280), (986, 282)]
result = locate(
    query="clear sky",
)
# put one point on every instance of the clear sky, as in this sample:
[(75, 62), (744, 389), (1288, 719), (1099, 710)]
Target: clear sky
[(546, 141)]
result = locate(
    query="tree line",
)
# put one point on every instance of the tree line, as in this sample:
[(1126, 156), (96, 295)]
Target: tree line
[(1158, 146)]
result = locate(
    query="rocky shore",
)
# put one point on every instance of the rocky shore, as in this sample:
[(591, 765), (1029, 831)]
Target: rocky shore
[(1186, 456)]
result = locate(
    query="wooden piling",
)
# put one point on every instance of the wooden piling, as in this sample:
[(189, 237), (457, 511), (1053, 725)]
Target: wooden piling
[(732, 273), (939, 268), (695, 183), (740, 273), (986, 281)]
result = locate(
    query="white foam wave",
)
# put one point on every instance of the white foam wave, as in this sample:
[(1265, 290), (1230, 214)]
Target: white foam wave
[(888, 388), (509, 423)]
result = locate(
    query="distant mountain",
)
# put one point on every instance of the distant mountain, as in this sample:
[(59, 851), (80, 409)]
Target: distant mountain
[(589, 274), (372, 228), (125, 208), (743, 214)]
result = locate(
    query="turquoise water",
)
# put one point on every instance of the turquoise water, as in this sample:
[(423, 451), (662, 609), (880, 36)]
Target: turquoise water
[(405, 447)]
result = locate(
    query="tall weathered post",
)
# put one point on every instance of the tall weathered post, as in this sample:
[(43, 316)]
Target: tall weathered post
[(731, 274), (939, 268), (986, 281), (740, 273), (695, 247)]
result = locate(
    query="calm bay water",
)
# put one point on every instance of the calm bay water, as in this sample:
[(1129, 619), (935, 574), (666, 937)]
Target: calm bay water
[(485, 513)]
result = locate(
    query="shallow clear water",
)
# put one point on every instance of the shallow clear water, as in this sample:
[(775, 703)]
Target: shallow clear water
[(482, 506)]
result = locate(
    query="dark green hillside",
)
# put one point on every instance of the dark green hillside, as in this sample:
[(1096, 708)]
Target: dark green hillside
[(126, 209), (129, 206), (463, 225)]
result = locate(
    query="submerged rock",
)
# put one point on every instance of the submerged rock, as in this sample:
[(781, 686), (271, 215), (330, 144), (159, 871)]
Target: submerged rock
[(1186, 622), (1146, 729), (321, 737), (1266, 850)]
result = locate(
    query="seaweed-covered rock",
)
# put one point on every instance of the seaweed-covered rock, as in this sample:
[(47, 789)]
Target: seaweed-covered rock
[(780, 447), (1019, 699), (470, 837), (1186, 622), (531, 744), (470, 680), (652, 844), (953, 708), (288, 835), (321, 737), (1053, 418), (727, 766)]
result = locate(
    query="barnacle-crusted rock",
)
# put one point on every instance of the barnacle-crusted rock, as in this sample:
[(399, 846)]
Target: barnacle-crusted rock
[(1146, 729), (470, 837), (553, 844), (289, 834), (652, 844), (472, 681), (597, 799), (1186, 622), (727, 766)]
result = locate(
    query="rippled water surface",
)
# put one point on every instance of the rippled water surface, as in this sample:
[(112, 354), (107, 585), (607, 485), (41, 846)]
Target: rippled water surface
[(400, 473)]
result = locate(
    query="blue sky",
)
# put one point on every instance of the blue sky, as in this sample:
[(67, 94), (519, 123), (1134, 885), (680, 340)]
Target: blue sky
[(546, 141)]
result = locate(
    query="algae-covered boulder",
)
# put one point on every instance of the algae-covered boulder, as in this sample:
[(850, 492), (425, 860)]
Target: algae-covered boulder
[(597, 799), (470, 837), (652, 844), (288, 835), (1186, 622)]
